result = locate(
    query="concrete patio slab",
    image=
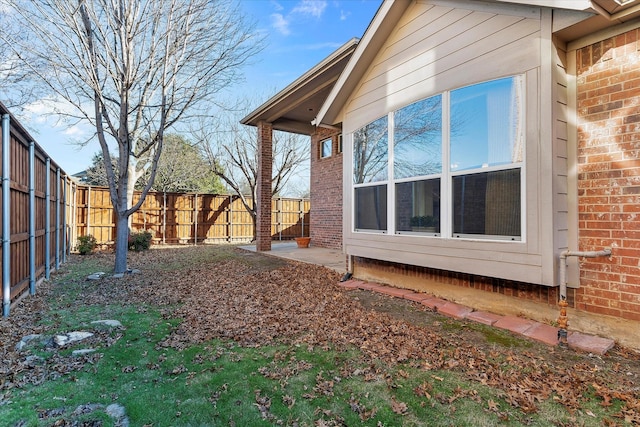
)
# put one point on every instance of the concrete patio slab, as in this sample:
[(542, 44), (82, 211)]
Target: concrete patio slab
[(330, 258)]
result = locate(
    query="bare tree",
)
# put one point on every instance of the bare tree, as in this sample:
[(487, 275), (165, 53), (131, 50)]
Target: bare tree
[(133, 69), (232, 150)]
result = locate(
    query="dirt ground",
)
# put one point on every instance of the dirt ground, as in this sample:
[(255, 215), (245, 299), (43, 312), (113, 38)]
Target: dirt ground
[(258, 300)]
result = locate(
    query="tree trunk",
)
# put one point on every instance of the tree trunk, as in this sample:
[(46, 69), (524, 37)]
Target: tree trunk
[(122, 243)]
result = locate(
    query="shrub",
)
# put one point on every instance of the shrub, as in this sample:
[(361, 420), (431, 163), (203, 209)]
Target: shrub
[(140, 240), (86, 244)]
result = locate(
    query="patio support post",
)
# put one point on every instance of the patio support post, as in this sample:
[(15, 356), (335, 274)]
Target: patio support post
[(263, 202)]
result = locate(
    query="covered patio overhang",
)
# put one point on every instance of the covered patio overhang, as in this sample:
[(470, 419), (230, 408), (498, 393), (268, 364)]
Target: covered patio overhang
[(290, 110)]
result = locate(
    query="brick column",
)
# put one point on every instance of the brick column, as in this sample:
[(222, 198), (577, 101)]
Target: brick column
[(265, 159)]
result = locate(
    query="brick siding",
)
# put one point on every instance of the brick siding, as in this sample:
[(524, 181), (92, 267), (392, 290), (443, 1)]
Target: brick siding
[(528, 291), (608, 101), (608, 82), (263, 220), (326, 192)]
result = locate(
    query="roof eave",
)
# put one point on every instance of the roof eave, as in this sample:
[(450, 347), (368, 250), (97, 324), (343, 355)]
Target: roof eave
[(255, 116), (379, 29)]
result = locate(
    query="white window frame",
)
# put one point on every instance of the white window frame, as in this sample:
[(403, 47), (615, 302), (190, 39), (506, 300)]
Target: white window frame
[(446, 180), (322, 145)]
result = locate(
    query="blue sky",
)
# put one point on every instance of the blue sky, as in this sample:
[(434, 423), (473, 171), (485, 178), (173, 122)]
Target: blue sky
[(299, 34)]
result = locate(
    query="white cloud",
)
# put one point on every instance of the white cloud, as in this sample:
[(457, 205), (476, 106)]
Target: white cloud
[(277, 6), (280, 23), (344, 15), (57, 115), (314, 8)]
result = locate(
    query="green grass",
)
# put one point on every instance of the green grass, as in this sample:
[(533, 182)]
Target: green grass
[(219, 383)]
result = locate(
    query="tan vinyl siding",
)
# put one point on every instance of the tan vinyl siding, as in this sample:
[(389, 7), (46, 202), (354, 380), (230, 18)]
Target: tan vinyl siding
[(560, 137), (436, 47), (440, 46)]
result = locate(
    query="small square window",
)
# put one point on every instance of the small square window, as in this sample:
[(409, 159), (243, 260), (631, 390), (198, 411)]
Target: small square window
[(326, 147)]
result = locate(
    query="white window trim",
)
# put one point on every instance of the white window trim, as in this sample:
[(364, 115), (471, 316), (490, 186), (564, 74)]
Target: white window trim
[(446, 220)]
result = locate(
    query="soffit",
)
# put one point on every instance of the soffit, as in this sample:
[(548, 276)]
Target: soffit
[(293, 108)]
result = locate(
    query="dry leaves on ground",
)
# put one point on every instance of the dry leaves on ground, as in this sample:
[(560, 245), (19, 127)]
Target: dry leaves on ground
[(257, 300)]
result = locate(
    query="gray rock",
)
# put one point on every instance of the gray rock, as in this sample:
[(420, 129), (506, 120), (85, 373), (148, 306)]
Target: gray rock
[(118, 275), (82, 351), (70, 337), (87, 409), (133, 271), (33, 360), (107, 322), (118, 412), (26, 340), (96, 276)]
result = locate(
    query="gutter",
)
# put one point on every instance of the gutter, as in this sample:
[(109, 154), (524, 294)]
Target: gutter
[(614, 16)]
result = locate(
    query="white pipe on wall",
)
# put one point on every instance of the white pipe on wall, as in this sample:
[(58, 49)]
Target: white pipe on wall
[(563, 265)]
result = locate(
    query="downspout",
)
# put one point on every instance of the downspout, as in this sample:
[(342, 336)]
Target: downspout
[(6, 229), (47, 223), (563, 320), (32, 219)]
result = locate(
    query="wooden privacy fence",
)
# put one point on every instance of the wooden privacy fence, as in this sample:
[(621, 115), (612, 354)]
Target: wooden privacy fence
[(176, 218), (35, 208)]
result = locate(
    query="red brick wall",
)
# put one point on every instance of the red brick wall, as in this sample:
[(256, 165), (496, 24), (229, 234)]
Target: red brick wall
[(326, 192), (265, 159), (543, 294), (608, 83)]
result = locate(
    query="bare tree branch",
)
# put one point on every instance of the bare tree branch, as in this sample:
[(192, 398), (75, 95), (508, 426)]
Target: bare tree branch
[(132, 69)]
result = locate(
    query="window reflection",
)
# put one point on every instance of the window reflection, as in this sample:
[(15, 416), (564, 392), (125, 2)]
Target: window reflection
[(417, 140), (370, 150)]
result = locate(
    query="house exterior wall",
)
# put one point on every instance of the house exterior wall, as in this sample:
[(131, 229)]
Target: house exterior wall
[(608, 166), (326, 191), (433, 49)]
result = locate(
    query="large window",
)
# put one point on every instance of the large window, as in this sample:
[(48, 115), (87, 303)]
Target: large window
[(370, 158), (479, 130), (417, 165)]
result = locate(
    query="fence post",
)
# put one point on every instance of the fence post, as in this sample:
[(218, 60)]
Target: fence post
[(230, 219), (32, 219), (195, 212), (279, 216), (89, 211), (64, 220), (6, 229), (47, 224), (164, 218), (301, 213), (74, 217), (57, 255)]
